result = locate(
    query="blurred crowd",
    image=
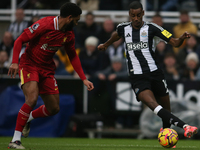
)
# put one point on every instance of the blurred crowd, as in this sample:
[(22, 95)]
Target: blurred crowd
[(152, 5), (177, 63)]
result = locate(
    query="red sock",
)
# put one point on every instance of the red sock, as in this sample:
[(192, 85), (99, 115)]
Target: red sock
[(22, 117), (40, 112)]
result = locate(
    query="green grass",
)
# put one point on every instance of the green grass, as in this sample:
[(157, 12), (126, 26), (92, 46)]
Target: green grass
[(96, 144)]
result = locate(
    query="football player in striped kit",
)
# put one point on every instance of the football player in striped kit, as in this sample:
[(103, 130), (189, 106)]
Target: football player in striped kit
[(146, 78)]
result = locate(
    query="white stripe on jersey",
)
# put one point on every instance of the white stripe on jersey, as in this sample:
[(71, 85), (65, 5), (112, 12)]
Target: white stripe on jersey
[(145, 51), (56, 23), (134, 61), (159, 27)]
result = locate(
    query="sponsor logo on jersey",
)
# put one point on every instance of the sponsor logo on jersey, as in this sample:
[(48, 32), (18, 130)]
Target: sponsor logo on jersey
[(51, 48), (166, 33), (143, 34), (35, 26), (137, 46), (44, 46)]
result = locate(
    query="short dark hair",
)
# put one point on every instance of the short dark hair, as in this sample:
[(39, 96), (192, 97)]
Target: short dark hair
[(135, 5), (70, 9)]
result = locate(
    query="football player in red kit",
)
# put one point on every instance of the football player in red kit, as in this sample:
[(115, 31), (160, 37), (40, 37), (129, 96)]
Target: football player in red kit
[(36, 68)]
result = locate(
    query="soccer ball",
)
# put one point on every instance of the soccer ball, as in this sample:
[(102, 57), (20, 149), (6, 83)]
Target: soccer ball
[(168, 138)]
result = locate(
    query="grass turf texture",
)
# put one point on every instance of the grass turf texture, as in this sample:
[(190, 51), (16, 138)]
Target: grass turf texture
[(96, 144)]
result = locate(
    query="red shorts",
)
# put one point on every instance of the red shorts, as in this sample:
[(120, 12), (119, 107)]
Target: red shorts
[(45, 78)]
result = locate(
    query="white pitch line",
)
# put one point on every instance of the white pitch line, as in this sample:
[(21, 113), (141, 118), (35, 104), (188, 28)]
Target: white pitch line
[(104, 145)]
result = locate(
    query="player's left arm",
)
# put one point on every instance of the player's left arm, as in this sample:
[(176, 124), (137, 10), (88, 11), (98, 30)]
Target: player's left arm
[(167, 36), (176, 42), (75, 61)]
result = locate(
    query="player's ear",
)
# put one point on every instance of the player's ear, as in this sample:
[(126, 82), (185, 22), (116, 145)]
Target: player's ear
[(70, 18), (142, 12)]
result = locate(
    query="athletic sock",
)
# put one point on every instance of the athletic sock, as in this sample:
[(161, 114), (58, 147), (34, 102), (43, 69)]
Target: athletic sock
[(168, 117), (40, 112), (17, 136), (22, 118), (166, 124), (30, 117)]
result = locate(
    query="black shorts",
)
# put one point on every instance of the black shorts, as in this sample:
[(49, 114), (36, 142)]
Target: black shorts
[(154, 81)]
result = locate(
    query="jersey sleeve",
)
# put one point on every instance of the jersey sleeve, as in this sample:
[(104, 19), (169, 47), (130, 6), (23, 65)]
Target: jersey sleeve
[(36, 29), (74, 59), (120, 30), (161, 33)]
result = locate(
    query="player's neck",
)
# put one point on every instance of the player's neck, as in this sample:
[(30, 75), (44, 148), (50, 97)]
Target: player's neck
[(137, 28), (60, 22)]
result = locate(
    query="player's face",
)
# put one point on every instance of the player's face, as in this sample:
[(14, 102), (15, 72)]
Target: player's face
[(72, 23), (136, 16)]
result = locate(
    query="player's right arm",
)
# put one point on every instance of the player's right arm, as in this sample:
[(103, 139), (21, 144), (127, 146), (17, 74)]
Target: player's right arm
[(13, 69), (114, 37)]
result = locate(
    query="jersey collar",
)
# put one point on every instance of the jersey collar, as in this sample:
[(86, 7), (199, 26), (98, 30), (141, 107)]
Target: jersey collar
[(56, 27)]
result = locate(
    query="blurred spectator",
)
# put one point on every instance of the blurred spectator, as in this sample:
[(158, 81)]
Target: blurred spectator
[(107, 28), (116, 49), (88, 5), (17, 27), (191, 46), (35, 17), (170, 67), (184, 25), (3, 60), (88, 28), (110, 5), (161, 49), (191, 70), (164, 5), (89, 56), (157, 19), (60, 68), (65, 59), (114, 71), (7, 43)]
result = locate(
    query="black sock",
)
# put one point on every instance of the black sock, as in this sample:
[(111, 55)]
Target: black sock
[(170, 118), (167, 117), (166, 124)]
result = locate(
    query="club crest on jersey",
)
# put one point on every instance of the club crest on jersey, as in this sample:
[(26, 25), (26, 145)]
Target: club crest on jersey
[(143, 34), (137, 46), (35, 26)]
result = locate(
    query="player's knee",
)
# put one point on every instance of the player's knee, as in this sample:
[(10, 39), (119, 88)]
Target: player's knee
[(31, 102)]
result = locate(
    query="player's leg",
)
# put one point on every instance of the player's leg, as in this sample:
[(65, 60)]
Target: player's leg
[(50, 107), (50, 95), (165, 103), (31, 91), (147, 97)]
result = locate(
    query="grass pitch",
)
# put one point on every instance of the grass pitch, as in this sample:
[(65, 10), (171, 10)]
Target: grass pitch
[(96, 144)]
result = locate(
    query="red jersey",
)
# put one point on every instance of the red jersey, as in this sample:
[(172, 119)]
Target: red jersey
[(45, 39)]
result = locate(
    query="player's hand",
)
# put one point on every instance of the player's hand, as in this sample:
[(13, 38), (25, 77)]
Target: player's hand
[(185, 35), (13, 70), (89, 85), (102, 47)]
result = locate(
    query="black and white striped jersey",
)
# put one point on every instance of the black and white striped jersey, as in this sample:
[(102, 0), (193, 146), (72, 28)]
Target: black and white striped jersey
[(140, 45)]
